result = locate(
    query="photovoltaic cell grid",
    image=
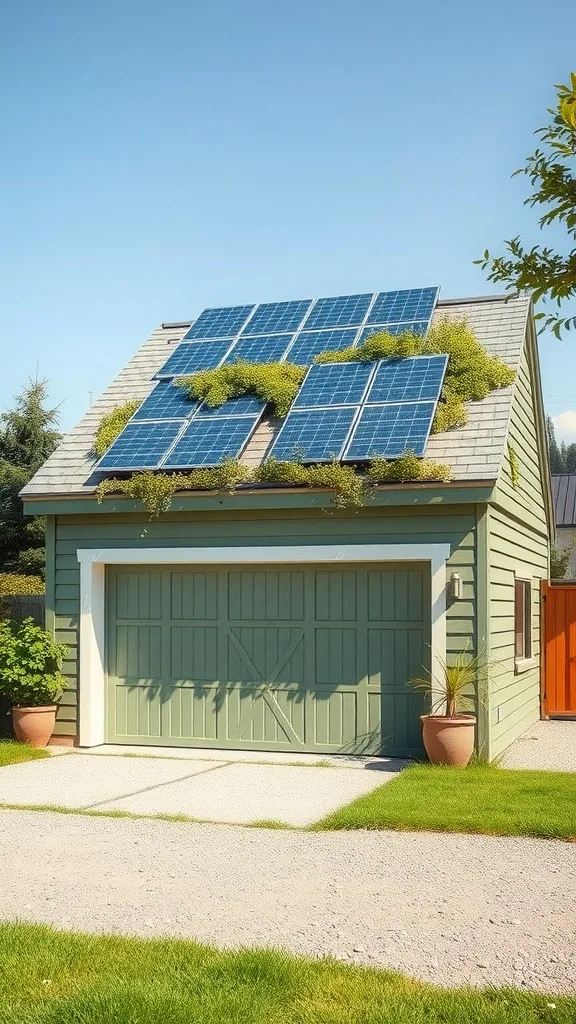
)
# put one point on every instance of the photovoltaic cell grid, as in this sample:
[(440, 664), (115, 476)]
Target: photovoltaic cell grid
[(331, 322), (224, 322), (309, 344), (167, 401), (272, 317), (267, 348), (245, 405), (189, 358), (408, 380), (205, 442), (339, 311), (414, 326), (141, 445), (329, 384), (391, 405), (389, 430), (313, 436), (403, 306)]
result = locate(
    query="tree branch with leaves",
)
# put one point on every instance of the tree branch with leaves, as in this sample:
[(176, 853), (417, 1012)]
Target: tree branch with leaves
[(549, 275)]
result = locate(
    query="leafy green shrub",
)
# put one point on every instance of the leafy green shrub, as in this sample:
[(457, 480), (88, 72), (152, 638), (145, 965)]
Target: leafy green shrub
[(112, 424), (408, 467), (471, 373), (450, 413), (30, 663), (14, 584), (276, 384), (348, 486), (156, 490)]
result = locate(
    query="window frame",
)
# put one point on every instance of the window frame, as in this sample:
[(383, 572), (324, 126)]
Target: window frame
[(523, 609)]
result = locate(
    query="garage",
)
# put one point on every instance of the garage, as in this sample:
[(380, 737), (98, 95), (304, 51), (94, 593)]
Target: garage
[(279, 658)]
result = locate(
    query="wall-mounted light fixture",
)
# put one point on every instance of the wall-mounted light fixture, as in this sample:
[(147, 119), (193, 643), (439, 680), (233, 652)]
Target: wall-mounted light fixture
[(455, 586)]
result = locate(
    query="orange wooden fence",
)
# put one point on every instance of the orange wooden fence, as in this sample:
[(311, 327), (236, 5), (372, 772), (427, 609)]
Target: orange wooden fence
[(559, 664)]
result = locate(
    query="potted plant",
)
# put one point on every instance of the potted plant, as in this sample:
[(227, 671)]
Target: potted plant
[(448, 730), (30, 677)]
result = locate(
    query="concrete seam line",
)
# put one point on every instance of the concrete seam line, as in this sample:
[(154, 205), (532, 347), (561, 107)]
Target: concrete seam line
[(149, 789)]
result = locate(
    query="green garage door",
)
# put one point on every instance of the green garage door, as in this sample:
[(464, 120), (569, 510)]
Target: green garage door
[(271, 659)]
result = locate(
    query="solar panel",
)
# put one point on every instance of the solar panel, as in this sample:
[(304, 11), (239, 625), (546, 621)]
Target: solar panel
[(245, 405), (313, 435), (277, 316), (339, 311), (408, 380), (414, 326), (189, 358), (390, 430), (311, 343), (409, 304), (206, 442), (141, 445), (267, 348), (166, 402), (328, 384), (223, 322)]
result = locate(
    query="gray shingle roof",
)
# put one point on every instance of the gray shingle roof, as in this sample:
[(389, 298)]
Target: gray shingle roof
[(564, 498), (473, 452)]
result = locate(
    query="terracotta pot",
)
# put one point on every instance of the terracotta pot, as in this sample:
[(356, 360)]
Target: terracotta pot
[(449, 740), (34, 725)]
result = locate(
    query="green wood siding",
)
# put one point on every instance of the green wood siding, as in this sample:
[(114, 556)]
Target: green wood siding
[(456, 526), (517, 546), (526, 500), (277, 658), (515, 551)]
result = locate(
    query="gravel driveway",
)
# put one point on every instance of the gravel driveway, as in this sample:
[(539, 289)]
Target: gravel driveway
[(444, 908)]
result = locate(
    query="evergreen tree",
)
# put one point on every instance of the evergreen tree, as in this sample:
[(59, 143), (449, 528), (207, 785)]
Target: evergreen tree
[(571, 458), (27, 437), (557, 459)]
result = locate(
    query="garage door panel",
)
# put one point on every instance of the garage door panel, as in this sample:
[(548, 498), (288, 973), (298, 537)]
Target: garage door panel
[(189, 713), (266, 595), (138, 595), (194, 595), (273, 659), (400, 717), (334, 717), (395, 656), (138, 651), (137, 710), (335, 596), (336, 656), (265, 654), (396, 595), (194, 653)]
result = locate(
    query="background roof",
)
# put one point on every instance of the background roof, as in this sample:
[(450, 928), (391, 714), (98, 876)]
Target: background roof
[(564, 498), (473, 452)]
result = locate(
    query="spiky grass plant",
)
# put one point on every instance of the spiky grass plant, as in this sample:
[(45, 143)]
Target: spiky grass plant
[(460, 686)]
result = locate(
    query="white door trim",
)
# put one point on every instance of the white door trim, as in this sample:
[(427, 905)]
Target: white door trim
[(93, 562)]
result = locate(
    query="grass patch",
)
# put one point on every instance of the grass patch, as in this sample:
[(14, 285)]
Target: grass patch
[(52, 977), (12, 752), (481, 798)]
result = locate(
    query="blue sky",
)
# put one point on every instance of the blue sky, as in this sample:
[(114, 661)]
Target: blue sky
[(164, 157)]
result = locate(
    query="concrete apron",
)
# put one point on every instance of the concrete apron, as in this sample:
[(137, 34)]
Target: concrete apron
[(230, 789)]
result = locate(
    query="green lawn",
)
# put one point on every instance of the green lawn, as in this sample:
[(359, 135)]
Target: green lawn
[(12, 752), (480, 798), (50, 977)]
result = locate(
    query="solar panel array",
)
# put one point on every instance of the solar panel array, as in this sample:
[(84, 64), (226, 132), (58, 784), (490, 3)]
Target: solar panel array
[(356, 411), (170, 431)]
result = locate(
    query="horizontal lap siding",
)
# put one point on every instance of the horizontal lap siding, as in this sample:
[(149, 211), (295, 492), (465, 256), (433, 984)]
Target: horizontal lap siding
[(431, 525), (518, 547)]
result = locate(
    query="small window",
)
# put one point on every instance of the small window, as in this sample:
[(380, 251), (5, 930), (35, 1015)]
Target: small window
[(522, 619)]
